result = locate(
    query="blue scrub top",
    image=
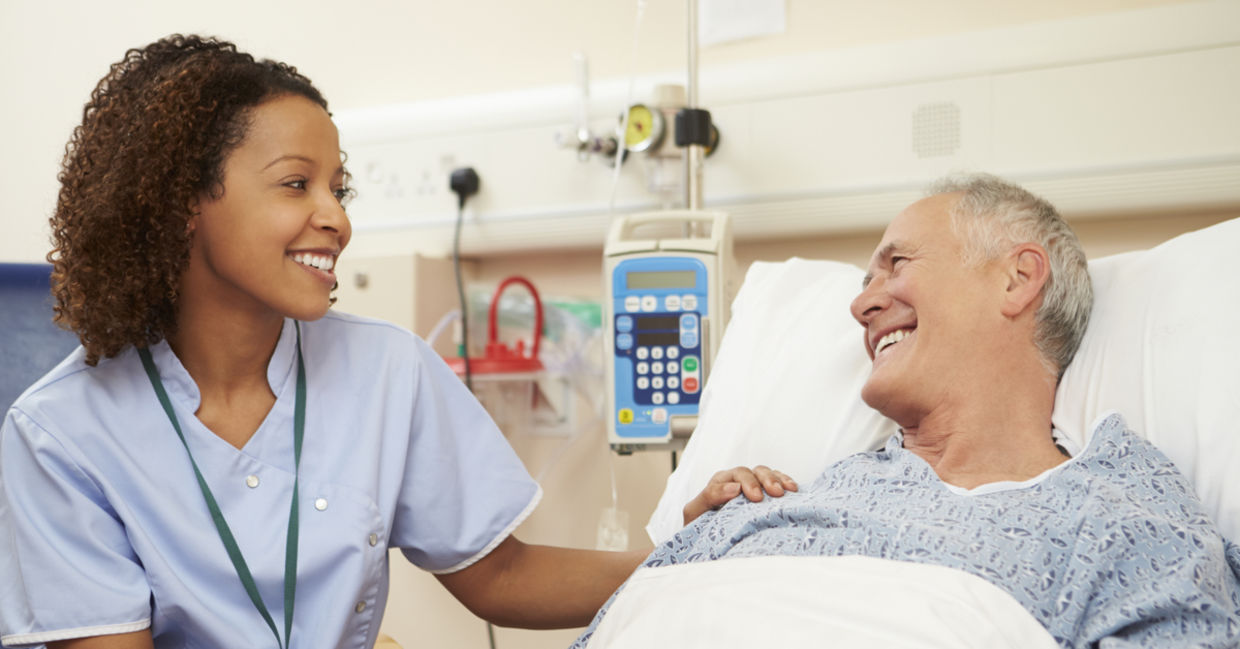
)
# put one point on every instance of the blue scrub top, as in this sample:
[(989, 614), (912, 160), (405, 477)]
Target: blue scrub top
[(103, 528)]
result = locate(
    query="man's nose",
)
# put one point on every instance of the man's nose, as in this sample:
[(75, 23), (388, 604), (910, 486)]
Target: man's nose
[(869, 302)]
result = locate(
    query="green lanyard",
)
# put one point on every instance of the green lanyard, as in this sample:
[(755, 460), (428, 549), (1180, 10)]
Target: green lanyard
[(230, 543)]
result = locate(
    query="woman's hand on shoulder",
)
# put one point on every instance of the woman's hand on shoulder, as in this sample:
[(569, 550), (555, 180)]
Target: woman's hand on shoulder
[(726, 485)]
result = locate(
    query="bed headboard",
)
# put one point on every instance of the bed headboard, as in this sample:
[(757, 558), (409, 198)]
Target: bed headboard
[(1162, 348), (30, 343)]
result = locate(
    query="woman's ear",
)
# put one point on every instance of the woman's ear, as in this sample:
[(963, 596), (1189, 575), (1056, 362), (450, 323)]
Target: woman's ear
[(191, 223), (1028, 268)]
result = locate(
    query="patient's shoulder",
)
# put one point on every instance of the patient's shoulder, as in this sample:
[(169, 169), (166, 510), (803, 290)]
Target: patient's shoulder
[(1117, 452), (1133, 494)]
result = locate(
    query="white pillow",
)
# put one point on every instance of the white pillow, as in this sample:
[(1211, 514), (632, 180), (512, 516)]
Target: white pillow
[(785, 389), (1163, 349)]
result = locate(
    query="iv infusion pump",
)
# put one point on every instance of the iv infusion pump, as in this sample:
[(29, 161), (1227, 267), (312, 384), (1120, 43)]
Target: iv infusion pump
[(667, 302)]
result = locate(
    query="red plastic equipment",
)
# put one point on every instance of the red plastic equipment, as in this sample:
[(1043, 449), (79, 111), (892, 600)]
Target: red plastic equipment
[(500, 358)]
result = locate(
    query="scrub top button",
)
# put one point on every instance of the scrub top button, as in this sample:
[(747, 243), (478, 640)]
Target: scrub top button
[(320, 503), (361, 606), (374, 539), (251, 481)]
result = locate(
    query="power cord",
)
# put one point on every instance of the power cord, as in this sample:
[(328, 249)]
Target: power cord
[(464, 183)]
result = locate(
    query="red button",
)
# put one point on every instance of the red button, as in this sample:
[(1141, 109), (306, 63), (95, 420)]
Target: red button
[(691, 384)]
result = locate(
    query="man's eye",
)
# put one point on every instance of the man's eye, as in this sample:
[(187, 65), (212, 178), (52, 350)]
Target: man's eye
[(896, 260)]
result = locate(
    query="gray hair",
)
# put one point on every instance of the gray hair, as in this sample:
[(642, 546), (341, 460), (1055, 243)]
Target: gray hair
[(994, 215)]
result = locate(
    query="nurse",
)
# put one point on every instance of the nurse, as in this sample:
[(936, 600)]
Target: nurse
[(224, 462)]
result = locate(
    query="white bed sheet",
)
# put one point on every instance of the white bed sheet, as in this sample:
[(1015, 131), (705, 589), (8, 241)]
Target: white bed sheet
[(840, 602)]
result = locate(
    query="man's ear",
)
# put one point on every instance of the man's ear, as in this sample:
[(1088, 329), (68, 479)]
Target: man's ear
[(1028, 268)]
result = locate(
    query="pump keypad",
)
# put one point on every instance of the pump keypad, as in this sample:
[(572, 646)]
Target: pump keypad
[(665, 352)]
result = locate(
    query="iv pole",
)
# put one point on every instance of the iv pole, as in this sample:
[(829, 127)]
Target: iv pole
[(694, 152)]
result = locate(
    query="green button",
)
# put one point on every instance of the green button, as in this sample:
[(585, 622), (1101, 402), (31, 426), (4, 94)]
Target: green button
[(690, 364)]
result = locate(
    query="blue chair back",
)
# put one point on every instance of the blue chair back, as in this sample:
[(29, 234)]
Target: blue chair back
[(30, 343)]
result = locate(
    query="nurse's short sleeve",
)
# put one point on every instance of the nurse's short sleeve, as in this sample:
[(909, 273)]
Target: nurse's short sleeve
[(464, 488), (66, 566)]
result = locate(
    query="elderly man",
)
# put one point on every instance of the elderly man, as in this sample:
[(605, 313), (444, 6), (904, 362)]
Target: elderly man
[(974, 303)]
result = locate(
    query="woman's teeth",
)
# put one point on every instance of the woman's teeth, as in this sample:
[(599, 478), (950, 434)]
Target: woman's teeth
[(891, 339), (321, 262)]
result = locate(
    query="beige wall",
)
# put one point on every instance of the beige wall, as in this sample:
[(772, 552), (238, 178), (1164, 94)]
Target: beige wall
[(578, 273)]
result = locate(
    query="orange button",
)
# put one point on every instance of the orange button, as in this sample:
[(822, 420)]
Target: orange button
[(691, 384)]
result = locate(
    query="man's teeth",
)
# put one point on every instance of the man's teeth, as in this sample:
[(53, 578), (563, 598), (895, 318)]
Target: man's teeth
[(891, 339), (321, 262)]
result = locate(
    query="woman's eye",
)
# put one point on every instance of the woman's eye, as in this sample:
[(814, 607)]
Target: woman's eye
[(296, 184), (344, 194)]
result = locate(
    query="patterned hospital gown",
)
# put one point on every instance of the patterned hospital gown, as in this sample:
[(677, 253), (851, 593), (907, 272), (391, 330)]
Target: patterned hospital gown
[(1112, 544)]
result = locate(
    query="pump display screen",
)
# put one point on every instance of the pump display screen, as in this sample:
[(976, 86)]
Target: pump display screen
[(661, 279), (646, 323), (658, 338)]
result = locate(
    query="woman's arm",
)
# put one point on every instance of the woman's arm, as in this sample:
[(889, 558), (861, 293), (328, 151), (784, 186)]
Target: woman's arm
[(545, 587), (539, 586), (136, 640)]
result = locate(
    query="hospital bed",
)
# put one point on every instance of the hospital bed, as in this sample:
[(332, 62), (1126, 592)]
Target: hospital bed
[(1161, 349)]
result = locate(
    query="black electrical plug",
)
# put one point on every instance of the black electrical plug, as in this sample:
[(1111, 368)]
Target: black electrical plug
[(464, 183)]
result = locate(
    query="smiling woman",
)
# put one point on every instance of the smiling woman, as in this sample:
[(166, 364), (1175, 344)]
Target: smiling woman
[(152, 144), (225, 458), (279, 207)]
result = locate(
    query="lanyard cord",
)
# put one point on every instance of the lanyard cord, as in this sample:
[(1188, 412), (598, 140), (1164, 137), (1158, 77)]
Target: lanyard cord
[(221, 526)]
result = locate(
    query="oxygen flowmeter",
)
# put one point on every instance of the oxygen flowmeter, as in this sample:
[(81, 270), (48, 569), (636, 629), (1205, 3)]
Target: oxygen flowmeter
[(668, 300)]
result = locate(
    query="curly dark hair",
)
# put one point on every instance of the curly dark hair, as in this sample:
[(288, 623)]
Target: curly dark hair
[(153, 139)]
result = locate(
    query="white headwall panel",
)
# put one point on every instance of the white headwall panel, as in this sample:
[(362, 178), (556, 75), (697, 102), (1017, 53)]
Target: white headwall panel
[(1104, 115)]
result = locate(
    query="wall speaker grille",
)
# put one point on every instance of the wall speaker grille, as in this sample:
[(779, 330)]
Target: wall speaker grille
[(936, 130)]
